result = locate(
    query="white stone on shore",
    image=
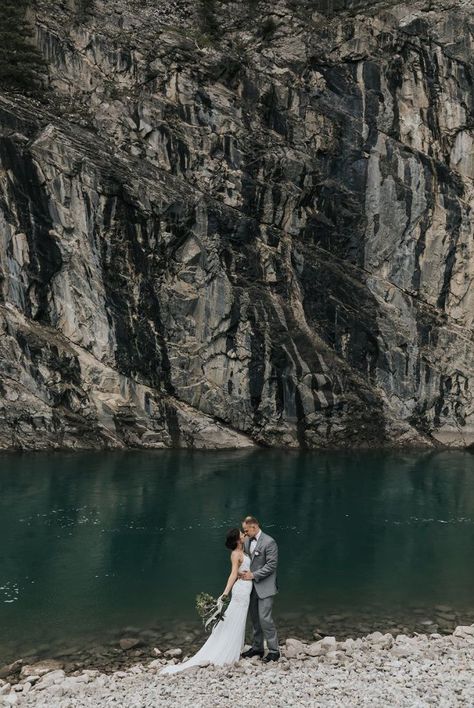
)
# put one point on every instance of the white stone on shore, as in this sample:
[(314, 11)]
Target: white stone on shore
[(293, 648), (384, 641), (53, 677), (465, 632), (174, 653), (314, 649), (328, 643)]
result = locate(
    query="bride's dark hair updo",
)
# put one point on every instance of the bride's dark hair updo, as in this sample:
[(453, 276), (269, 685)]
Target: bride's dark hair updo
[(232, 539)]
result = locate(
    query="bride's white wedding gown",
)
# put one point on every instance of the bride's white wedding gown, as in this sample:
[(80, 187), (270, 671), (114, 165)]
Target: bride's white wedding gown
[(226, 642)]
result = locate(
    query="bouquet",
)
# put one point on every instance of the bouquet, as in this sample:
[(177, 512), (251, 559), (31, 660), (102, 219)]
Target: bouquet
[(210, 610)]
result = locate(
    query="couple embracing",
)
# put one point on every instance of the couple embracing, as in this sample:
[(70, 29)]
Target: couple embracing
[(252, 580)]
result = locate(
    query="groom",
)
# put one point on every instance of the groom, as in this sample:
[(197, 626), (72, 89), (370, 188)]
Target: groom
[(263, 552)]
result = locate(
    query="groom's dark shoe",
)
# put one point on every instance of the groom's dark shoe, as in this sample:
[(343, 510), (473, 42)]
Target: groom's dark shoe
[(271, 656), (252, 652)]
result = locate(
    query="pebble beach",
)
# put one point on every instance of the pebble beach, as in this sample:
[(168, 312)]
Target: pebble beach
[(375, 670)]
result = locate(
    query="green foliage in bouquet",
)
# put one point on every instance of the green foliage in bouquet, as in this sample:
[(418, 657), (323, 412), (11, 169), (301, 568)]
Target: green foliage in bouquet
[(210, 610), (204, 604)]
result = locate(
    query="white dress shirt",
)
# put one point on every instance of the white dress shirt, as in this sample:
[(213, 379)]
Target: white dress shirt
[(254, 541)]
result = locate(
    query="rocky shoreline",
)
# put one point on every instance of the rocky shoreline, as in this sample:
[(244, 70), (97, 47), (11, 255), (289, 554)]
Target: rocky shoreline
[(118, 649), (377, 669)]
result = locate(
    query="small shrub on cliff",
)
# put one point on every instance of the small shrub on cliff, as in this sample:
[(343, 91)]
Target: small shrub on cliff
[(208, 17), (21, 64), (252, 6), (267, 29), (84, 8), (231, 65)]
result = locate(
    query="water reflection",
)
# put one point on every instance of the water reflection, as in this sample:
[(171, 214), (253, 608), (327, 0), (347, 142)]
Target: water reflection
[(96, 541)]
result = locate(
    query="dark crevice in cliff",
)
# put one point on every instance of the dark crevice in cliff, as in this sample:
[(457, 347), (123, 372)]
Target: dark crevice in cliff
[(141, 350), (32, 216)]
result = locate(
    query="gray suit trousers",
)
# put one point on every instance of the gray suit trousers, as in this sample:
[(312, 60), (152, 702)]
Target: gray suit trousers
[(262, 621)]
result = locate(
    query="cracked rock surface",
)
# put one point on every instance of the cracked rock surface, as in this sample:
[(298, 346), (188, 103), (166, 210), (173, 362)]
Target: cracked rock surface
[(260, 235)]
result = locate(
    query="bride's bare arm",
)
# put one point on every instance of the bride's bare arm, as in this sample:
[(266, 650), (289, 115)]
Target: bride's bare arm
[(235, 560)]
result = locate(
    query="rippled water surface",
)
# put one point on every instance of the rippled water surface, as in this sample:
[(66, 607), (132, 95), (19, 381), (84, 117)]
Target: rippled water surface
[(95, 545)]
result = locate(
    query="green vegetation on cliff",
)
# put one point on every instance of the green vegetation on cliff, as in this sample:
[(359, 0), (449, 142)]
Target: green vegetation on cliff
[(83, 9), (208, 18), (21, 64)]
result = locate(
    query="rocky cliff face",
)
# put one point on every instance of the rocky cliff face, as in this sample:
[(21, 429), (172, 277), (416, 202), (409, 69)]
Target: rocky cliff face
[(241, 223)]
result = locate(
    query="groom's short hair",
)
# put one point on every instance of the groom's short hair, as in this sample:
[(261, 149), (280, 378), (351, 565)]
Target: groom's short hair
[(251, 520)]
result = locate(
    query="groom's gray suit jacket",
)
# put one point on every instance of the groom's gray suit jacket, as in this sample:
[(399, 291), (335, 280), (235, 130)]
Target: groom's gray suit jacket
[(263, 565)]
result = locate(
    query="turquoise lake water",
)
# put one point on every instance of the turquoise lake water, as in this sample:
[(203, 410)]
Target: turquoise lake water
[(94, 544)]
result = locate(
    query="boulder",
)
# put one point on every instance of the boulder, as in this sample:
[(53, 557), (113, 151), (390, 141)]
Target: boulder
[(293, 647), (465, 632), (314, 649), (174, 653), (401, 650), (136, 669), (83, 678), (41, 668), (71, 683), (402, 638), (10, 669), (129, 643), (50, 679), (333, 655), (383, 641), (374, 637), (335, 618)]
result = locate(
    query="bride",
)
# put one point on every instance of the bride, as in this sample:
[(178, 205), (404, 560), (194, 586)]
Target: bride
[(226, 642)]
